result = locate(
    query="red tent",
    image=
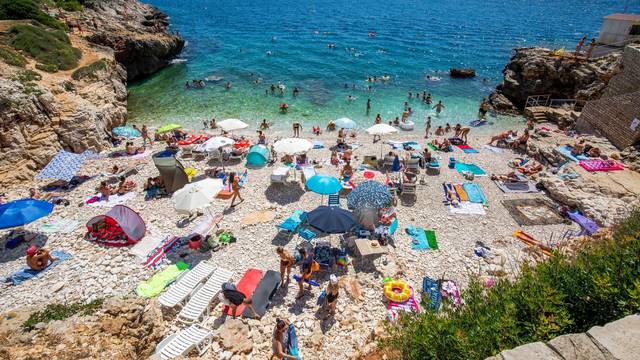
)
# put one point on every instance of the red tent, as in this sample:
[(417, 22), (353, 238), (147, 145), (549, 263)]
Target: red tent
[(121, 226)]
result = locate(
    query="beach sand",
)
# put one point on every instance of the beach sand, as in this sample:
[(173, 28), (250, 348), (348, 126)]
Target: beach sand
[(99, 272)]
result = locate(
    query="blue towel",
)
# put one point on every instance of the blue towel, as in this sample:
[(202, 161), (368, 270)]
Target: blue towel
[(26, 273), (419, 238), (431, 289), (473, 168), (566, 151), (474, 193), (292, 342), (293, 221), (470, 151)]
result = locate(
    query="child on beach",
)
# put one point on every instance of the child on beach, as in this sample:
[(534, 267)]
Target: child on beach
[(331, 296)]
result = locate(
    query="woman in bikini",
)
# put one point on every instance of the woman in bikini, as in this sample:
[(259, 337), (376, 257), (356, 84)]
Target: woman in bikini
[(286, 263), (331, 297), (278, 341)]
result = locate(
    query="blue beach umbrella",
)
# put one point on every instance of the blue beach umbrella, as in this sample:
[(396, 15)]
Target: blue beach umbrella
[(345, 123), (125, 131), (22, 212), (331, 219), (324, 184), (369, 194)]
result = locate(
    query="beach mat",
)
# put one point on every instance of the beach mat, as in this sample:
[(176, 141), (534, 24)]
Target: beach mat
[(159, 281), (264, 293), (592, 165), (462, 195), (431, 239), (113, 200), (147, 244), (467, 208), (431, 288), (258, 217), (432, 147), (516, 186), (474, 193), (247, 285), (566, 152), (59, 226), (26, 273), (467, 149), (418, 236), (472, 168), (494, 149)]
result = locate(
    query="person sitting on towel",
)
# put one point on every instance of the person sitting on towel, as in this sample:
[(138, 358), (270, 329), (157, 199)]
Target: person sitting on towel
[(578, 147), (38, 259), (125, 186), (505, 177), (233, 298), (522, 140)]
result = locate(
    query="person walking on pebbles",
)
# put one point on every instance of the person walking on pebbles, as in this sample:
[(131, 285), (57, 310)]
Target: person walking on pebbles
[(235, 188)]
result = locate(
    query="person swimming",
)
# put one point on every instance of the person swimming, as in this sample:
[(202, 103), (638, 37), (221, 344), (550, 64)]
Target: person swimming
[(439, 107)]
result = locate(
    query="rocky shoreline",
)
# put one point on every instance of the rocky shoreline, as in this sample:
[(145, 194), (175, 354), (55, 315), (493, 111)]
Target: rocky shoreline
[(52, 111)]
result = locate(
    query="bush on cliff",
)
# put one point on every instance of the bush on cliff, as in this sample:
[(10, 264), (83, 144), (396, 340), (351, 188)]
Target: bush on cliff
[(46, 46), (69, 5), (12, 58), (562, 295), (60, 312), (90, 70), (27, 10)]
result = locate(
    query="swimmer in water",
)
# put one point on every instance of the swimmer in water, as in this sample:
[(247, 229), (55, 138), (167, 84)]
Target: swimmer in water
[(439, 107), (428, 100)]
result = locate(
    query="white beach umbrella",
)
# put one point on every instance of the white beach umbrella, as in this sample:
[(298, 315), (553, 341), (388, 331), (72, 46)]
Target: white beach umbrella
[(232, 124), (381, 129), (197, 195), (345, 123), (214, 143), (292, 146)]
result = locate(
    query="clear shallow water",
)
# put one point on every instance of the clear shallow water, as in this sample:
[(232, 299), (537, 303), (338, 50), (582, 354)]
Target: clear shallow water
[(230, 40)]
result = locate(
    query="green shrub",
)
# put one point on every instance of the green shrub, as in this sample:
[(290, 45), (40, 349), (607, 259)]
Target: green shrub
[(50, 68), (90, 70), (12, 58), (47, 47), (68, 86), (26, 76), (69, 5), (53, 312), (561, 295), (26, 9)]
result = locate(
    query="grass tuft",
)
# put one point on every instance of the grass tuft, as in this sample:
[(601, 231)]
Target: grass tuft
[(53, 312), (12, 58), (90, 71)]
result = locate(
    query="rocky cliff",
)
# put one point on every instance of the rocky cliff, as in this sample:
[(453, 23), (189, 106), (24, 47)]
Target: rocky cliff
[(538, 71), (42, 112)]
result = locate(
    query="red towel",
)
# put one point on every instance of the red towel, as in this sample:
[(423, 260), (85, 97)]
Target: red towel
[(247, 285), (464, 146)]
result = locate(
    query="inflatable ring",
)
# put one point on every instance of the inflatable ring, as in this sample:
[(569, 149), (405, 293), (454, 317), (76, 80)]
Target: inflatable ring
[(397, 290)]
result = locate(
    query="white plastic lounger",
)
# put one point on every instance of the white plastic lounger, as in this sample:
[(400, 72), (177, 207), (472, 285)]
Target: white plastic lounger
[(180, 290), (307, 173), (181, 343), (199, 304), (280, 175)]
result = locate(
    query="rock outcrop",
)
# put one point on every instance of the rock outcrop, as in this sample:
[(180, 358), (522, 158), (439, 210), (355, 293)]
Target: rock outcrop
[(537, 71), (141, 42)]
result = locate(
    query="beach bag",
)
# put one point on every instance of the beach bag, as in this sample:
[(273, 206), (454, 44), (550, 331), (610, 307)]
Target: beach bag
[(315, 266)]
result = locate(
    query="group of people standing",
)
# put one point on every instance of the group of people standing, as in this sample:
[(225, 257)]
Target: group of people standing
[(591, 46)]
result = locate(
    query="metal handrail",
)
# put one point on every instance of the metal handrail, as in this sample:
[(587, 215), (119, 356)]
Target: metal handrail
[(537, 100)]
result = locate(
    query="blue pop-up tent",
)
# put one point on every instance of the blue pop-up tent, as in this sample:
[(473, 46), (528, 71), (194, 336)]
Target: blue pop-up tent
[(258, 156)]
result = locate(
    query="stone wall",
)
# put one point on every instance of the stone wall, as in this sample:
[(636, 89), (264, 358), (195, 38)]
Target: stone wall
[(616, 340)]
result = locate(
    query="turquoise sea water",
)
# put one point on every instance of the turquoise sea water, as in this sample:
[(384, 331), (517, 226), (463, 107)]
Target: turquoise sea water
[(230, 40)]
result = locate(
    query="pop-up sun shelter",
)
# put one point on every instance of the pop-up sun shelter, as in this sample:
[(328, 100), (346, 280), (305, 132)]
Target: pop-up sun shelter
[(121, 226), (171, 170), (257, 156)]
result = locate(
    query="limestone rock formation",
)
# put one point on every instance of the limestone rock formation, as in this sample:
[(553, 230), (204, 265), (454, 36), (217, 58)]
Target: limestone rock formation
[(537, 71)]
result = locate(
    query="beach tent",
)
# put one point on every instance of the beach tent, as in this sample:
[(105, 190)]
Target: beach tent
[(170, 169), (121, 226), (64, 165), (257, 156)]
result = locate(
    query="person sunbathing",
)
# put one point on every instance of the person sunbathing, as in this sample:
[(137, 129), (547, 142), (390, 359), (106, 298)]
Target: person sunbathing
[(39, 258), (522, 140), (104, 191), (505, 177), (445, 145), (130, 149), (531, 168), (452, 196), (347, 172), (125, 186), (287, 159), (594, 152), (578, 147), (502, 136), (334, 158)]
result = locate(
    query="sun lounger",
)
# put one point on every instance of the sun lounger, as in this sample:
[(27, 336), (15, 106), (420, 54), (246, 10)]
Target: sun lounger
[(413, 164), (247, 285), (388, 162), (181, 343), (292, 223), (307, 173), (280, 175), (264, 293), (199, 304), (184, 285), (409, 189)]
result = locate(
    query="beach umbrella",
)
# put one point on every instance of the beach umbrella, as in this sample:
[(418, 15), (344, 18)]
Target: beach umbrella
[(214, 143), (232, 124), (331, 219), (196, 195), (64, 165), (381, 129), (22, 212), (369, 194), (324, 184), (292, 146), (345, 123), (168, 127), (125, 131)]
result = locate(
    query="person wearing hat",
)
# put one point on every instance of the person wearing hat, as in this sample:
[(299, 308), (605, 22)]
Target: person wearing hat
[(233, 298), (331, 297), (38, 259)]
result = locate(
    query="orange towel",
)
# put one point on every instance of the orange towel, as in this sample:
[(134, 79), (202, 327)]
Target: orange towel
[(460, 190)]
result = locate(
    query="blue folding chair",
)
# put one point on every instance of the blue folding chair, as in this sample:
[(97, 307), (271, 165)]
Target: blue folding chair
[(334, 200), (291, 225)]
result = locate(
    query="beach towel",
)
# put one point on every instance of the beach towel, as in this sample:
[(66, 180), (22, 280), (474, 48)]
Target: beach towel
[(157, 256), (394, 309), (467, 208), (432, 147), (467, 149), (431, 289), (475, 193), (462, 195), (493, 148), (143, 248), (292, 343), (431, 239), (159, 281), (264, 293), (318, 145), (472, 168), (592, 165), (204, 227), (114, 200), (587, 225), (418, 236), (59, 226), (566, 152), (447, 187), (516, 186), (26, 273), (247, 285)]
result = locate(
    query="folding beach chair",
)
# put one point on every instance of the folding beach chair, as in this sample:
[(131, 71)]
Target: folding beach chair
[(181, 343), (334, 200)]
